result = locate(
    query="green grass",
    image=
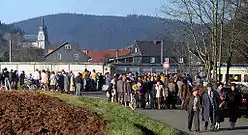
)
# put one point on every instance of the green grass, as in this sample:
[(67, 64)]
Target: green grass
[(121, 121)]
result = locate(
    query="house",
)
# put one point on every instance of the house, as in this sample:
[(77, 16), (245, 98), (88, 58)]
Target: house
[(104, 55), (147, 52), (66, 53)]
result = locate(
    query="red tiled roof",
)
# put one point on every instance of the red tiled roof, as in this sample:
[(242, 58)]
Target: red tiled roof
[(102, 55), (50, 50)]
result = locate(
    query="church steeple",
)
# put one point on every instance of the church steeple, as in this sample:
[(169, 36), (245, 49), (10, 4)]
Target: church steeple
[(42, 38)]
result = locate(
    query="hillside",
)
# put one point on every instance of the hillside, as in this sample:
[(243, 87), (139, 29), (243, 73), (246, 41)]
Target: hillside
[(101, 32)]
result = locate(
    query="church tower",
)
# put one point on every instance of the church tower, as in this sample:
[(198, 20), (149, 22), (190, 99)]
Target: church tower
[(42, 38)]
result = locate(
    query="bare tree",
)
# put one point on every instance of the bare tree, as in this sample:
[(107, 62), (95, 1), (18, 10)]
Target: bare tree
[(202, 19)]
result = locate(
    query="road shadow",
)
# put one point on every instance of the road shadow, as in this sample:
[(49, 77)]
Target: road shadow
[(236, 128), (145, 130), (150, 132)]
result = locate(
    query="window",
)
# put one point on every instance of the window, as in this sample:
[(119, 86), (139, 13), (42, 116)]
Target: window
[(136, 50), (181, 60), (152, 60), (145, 59), (59, 56), (235, 77), (246, 78), (68, 47), (76, 57)]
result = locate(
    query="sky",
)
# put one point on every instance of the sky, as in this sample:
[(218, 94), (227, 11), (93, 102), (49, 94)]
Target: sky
[(17, 10)]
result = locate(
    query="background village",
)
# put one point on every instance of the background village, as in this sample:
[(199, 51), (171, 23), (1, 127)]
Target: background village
[(136, 57)]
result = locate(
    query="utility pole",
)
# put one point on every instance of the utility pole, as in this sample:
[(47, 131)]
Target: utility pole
[(10, 50), (162, 51)]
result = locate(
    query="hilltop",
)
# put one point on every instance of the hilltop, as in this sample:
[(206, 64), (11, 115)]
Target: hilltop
[(102, 32)]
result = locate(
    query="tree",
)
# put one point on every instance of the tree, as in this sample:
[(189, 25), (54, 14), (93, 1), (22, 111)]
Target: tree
[(202, 19), (28, 54), (236, 33)]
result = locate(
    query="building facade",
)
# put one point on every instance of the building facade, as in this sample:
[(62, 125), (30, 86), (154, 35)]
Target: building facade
[(66, 53)]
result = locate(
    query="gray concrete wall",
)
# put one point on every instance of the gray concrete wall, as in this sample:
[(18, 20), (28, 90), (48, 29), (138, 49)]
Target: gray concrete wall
[(29, 67)]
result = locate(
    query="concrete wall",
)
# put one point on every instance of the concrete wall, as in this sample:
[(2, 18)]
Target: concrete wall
[(29, 67)]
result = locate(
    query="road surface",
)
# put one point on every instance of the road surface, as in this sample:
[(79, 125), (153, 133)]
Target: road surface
[(178, 119)]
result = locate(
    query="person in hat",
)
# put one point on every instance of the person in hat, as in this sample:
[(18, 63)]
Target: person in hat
[(233, 101), (193, 106), (210, 102)]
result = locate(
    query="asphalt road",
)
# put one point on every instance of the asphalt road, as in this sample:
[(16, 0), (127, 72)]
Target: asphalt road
[(178, 119)]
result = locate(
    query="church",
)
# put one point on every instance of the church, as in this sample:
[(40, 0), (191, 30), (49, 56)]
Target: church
[(39, 41)]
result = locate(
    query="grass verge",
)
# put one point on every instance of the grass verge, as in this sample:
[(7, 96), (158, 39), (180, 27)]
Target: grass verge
[(121, 121)]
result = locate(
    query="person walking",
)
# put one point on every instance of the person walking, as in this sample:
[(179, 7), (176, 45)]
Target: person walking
[(210, 102), (222, 98), (193, 106), (233, 102)]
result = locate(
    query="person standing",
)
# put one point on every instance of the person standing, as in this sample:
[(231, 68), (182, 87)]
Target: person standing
[(127, 92), (210, 102), (172, 94), (193, 106), (93, 80), (120, 90), (233, 101), (160, 93), (53, 81), (140, 95), (44, 80), (22, 78), (84, 74), (66, 82), (36, 78), (78, 82), (72, 83), (182, 91)]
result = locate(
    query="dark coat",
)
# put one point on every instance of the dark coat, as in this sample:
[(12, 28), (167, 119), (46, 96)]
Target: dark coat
[(233, 99), (127, 91), (206, 104), (189, 103), (120, 84)]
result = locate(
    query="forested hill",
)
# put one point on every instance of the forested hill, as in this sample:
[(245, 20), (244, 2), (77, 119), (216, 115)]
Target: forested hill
[(5, 32), (101, 32)]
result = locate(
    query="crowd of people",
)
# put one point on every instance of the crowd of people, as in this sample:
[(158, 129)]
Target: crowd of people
[(154, 91), (148, 90), (66, 82)]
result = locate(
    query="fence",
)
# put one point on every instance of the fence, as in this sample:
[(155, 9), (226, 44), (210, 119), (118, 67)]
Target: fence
[(30, 67)]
